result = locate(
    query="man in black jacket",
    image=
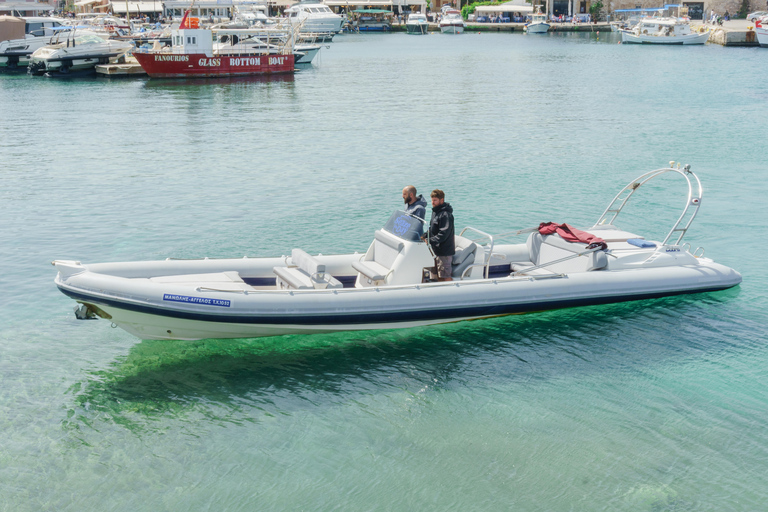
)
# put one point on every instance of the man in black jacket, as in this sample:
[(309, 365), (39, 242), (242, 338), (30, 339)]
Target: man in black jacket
[(441, 235)]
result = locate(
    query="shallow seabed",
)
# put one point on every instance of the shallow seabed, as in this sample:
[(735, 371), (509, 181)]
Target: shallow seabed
[(646, 406)]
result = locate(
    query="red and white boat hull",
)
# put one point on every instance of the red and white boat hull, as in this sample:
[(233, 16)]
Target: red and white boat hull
[(185, 65)]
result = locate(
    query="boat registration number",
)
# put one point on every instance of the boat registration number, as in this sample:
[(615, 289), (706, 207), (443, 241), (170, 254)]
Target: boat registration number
[(206, 301)]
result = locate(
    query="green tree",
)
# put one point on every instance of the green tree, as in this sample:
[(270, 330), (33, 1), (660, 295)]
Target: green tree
[(743, 10), (594, 10)]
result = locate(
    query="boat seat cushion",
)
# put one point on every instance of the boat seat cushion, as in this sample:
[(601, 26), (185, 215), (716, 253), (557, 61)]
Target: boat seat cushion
[(639, 242), (370, 269), (558, 242), (226, 281), (552, 247), (295, 278), (386, 248), (383, 253), (214, 277), (464, 255), (306, 274), (307, 263), (611, 233), (387, 239), (534, 246)]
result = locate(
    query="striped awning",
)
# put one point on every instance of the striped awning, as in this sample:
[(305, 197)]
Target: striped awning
[(507, 7)]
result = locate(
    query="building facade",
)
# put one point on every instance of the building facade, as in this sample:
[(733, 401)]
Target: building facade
[(695, 8), (27, 7)]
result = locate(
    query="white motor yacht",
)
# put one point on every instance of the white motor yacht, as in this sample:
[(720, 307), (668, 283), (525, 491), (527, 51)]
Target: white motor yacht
[(538, 24), (76, 51), (20, 37), (253, 15), (386, 286), (417, 23), (314, 18), (230, 41), (452, 22), (664, 31)]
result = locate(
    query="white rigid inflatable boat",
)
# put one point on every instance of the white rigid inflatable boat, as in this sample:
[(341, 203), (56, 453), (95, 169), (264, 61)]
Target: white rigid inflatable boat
[(383, 289)]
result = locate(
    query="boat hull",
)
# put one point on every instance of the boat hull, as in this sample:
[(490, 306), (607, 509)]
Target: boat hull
[(10, 61), (762, 36), (417, 28), (305, 54), (537, 28), (687, 39), (154, 311), (374, 27), (178, 65), (319, 25), (452, 29), (17, 53)]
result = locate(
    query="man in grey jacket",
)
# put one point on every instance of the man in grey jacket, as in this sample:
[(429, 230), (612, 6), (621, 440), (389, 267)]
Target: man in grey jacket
[(414, 205)]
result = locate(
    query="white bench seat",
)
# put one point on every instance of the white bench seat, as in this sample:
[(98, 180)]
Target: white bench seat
[(306, 274), (225, 281), (376, 267), (370, 269)]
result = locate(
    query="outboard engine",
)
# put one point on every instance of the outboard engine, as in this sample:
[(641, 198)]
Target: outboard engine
[(36, 68), (84, 312)]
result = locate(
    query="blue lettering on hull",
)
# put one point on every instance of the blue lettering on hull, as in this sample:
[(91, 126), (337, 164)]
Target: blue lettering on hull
[(196, 300)]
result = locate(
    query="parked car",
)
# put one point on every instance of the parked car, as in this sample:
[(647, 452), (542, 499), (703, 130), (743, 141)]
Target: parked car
[(756, 15)]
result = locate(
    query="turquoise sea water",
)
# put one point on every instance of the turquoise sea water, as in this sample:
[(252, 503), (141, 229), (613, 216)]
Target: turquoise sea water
[(646, 406)]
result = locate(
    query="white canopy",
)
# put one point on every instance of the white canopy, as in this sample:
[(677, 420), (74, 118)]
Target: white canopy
[(137, 7), (342, 3), (25, 6), (505, 7), (185, 4), (81, 3)]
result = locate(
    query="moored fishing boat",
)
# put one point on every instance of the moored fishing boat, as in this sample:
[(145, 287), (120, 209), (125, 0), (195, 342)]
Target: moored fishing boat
[(675, 31), (372, 20), (384, 287), (193, 53), (538, 24)]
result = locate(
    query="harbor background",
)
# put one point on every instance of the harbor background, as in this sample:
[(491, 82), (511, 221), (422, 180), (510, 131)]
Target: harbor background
[(652, 405)]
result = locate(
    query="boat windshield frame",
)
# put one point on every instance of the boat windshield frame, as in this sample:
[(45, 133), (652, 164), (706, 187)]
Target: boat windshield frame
[(405, 226)]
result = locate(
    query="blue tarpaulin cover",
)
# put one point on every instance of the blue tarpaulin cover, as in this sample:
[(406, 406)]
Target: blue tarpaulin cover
[(639, 242)]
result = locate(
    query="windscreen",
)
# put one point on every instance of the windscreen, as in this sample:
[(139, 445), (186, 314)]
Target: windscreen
[(405, 226)]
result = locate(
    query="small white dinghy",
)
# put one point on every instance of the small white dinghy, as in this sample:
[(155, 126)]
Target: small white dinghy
[(384, 289)]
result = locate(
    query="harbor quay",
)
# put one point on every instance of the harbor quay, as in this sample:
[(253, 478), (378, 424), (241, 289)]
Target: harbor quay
[(517, 27), (730, 33), (734, 33)]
